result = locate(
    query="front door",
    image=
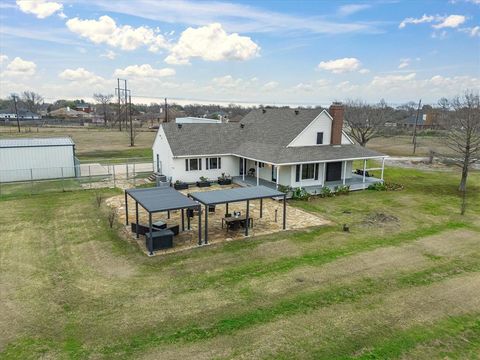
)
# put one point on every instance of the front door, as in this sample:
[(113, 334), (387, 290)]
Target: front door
[(274, 173), (334, 171)]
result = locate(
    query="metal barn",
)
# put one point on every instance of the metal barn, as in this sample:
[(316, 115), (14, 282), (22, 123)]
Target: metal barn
[(24, 159)]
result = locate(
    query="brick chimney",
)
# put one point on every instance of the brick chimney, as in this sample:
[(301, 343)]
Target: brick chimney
[(336, 111)]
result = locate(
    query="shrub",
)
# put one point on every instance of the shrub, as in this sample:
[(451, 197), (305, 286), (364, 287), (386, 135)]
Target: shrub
[(98, 199), (111, 217), (284, 188), (300, 194), (378, 187), (326, 192), (342, 189)]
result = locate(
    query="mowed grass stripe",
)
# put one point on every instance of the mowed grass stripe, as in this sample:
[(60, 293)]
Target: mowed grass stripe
[(302, 303), (262, 268)]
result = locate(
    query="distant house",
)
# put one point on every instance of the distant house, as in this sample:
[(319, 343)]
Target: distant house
[(69, 113), (84, 107), (304, 148), (22, 115), (196, 120), (426, 120)]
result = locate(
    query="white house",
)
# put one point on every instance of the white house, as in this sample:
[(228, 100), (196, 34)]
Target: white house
[(36, 159), (299, 148)]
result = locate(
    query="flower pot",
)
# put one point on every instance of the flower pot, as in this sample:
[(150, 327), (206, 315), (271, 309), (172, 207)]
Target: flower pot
[(224, 181), (180, 186), (203, 183)]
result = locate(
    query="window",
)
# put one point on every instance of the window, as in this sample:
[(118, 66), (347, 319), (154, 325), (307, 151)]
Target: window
[(308, 171), (319, 138), (213, 163), (260, 164), (193, 164)]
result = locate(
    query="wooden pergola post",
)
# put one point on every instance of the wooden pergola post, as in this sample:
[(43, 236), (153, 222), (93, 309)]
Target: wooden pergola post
[(199, 225), (150, 240), (183, 220), (136, 219), (206, 224), (284, 211), (126, 208), (247, 220), (261, 208)]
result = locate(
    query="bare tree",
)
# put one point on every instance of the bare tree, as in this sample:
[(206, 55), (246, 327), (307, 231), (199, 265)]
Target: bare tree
[(364, 121), (464, 137), (444, 107), (32, 100), (104, 101)]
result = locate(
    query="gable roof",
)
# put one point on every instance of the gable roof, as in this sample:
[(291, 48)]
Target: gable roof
[(36, 142), (264, 137)]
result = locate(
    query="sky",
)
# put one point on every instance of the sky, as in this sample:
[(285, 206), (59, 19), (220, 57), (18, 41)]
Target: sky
[(245, 52)]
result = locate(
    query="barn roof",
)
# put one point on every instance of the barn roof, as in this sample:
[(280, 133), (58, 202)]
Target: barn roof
[(36, 142)]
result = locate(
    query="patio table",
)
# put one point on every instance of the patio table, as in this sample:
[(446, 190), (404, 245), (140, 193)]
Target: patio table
[(239, 219)]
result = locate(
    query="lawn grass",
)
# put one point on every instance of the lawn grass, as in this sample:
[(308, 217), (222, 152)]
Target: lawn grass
[(408, 288)]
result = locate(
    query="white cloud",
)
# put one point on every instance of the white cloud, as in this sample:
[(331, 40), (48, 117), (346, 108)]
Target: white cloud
[(350, 9), (105, 31), (424, 19), (404, 63), (392, 80), (211, 43), (271, 85), (144, 71), (363, 71), (472, 31), (81, 75), (20, 67), (109, 55), (451, 21), (40, 8), (339, 66), (3, 58)]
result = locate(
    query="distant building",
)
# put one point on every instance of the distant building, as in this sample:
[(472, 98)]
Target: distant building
[(22, 115), (69, 113), (84, 107), (196, 120), (426, 120)]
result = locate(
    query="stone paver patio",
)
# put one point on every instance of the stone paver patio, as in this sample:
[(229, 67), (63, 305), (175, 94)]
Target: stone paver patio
[(296, 219)]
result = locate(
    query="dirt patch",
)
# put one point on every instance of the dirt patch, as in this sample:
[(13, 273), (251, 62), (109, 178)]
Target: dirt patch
[(379, 219)]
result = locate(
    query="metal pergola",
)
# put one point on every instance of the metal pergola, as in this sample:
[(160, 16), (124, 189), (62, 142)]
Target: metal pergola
[(227, 196), (162, 199)]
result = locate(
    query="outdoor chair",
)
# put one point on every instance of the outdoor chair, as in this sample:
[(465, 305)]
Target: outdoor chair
[(251, 172), (173, 228), (211, 208), (161, 239), (233, 225), (142, 229)]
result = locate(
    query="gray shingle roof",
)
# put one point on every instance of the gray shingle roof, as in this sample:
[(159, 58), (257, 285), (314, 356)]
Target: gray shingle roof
[(264, 137), (235, 195), (35, 142)]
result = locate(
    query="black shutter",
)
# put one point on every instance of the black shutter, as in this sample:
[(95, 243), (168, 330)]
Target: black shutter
[(199, 161), (316, 171), (319, 138), (206, 163), (297, 174), (186, 164), (219, 163)]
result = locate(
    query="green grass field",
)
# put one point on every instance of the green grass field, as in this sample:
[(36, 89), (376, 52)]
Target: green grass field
[(404, 283)]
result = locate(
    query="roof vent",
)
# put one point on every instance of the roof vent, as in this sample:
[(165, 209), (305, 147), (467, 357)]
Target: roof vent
[(179, 126), (242, 126), (296, 112), (264, 111)]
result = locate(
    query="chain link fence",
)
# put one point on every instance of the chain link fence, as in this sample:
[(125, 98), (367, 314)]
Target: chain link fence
[(82, 176)]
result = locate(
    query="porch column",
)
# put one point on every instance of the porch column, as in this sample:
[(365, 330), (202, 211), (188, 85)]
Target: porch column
[(258, 174), (364, 168), (244, 168), (383, 167), (278, 176), (344, 171), (324, 168)]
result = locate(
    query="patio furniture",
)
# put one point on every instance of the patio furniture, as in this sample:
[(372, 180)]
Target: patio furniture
[(211, 208), (360, 172), (142, 229), (173, 228), (233, 223), (159, 224), (161, 239), (251, 172)]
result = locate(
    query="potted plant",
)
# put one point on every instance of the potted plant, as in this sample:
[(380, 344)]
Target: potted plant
[(203, 182), (180, 185), (224, 179)]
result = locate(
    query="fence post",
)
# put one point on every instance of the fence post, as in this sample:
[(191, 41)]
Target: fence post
[(133, 174), (31, 181), (63, 186), (114, 183)]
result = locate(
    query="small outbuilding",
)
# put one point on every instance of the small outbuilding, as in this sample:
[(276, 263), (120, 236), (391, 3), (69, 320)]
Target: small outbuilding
[(23, 159)]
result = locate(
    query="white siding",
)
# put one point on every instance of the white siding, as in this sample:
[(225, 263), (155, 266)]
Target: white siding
[(308, 137), (162, 149), (230, 166), (40, 162)]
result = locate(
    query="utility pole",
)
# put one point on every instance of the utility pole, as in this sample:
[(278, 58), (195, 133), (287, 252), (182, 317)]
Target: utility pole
[(16, 110), (119, 105), (415, 127), (166, 110), (132, 140), (126, 104)]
